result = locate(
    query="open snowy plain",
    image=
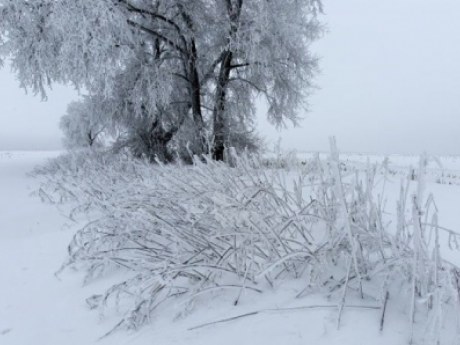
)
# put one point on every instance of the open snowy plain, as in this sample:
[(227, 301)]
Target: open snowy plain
[(37, 307)]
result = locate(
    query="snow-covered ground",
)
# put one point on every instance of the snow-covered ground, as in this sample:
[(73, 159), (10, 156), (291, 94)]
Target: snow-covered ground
[(35, 307), (38, 308)]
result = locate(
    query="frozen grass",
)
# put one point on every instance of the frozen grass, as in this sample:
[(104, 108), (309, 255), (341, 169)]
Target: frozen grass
[(186, 232)]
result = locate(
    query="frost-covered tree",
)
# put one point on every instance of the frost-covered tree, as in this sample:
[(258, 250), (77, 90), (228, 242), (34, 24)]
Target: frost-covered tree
[(264, 50), (84, 123), (164, 63), (92, 44), (146, 125)]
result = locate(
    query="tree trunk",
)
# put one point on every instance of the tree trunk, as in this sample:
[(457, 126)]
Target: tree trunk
[(159, 142), (195, 95), (194, 81), (219, 107), (234, 12)]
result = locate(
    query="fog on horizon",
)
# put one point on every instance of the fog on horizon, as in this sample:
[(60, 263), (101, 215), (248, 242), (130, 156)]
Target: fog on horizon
[(389, 83)]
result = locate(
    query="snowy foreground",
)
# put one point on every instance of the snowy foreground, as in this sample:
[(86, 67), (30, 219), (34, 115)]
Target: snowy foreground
[(39, 308)]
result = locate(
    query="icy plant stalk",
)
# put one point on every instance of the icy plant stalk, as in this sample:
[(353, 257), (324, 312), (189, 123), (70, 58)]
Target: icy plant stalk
[(340, 194)]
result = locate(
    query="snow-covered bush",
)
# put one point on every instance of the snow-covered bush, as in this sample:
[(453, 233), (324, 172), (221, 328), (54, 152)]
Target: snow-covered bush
[(185, 231)]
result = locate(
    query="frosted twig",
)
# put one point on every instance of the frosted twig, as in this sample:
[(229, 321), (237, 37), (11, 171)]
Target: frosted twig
[(279, 310)]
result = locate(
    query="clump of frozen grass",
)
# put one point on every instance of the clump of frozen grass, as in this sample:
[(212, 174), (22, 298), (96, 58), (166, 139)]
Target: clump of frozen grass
[(186, 231)]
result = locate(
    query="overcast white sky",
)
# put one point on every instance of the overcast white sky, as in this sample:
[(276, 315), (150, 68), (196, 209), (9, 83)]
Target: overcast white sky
[(390, 83)]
